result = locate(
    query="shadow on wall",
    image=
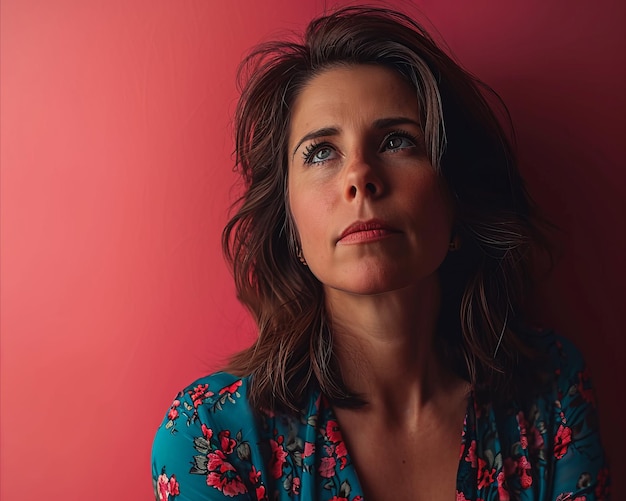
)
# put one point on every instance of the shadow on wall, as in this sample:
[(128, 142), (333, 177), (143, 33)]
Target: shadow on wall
[(570, 135)]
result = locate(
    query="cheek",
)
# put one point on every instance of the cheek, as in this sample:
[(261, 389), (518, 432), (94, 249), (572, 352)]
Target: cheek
[(430, 204), (297, 201), (308, 225), (427, 193), (309, 212)]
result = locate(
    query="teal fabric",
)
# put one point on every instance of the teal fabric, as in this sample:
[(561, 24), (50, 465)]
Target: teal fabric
[(211, 445)]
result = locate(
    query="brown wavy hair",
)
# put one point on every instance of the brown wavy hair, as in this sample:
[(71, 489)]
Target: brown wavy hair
[(483, 284)]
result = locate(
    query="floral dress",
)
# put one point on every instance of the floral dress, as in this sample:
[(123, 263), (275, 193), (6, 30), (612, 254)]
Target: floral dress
[(211, 445)]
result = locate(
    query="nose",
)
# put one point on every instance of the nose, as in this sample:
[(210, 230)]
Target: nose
[(362, 179)]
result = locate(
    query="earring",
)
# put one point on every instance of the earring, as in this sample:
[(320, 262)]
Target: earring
[(301, 257)]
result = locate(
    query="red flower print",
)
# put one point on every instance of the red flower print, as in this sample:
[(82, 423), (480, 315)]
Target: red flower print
[(254, 476), (207, 432), (503, 494), (227, 443), (231, 486), (295, 486), (167, 487), (523, 470), (255, 479), (332, 431), (562, 440), (460, 496), (199, 393), (523, 425), (340, 450), (174, 487), (232, 388), (327, 467), (279, 456), (217, 461), (173, 412), (485, 476), (309, 449), (223, 476), (260, 493), (471, 454), (163, 487)]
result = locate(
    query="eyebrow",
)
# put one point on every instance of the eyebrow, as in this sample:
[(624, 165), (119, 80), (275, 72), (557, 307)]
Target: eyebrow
[(326, 131), (381, 123)]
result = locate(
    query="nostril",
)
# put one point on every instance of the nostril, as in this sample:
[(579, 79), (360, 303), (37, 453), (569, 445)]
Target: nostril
[(371, 187), (353, 191)]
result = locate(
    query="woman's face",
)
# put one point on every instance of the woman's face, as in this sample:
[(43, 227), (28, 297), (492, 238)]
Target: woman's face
[(369, 209)]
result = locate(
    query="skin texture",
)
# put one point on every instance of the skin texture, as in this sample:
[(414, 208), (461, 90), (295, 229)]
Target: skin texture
[(361, 170), (374, 223)]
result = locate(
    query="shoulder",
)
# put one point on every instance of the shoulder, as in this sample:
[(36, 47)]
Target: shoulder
[(554, 430), (219, 379), (216, 385), (211, 444), (568, 397), (215, 397), (567, 420), (563, 358), (201, 428)]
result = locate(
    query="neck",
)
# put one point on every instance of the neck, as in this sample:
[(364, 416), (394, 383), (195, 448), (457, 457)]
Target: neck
[(385, 345)]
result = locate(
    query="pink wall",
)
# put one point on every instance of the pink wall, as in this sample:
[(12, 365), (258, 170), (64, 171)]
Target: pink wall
[(116, 176)]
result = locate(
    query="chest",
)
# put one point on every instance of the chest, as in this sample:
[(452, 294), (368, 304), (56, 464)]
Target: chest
[(420, 464)]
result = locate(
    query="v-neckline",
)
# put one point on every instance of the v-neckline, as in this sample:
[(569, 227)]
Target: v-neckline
[(350, 474)]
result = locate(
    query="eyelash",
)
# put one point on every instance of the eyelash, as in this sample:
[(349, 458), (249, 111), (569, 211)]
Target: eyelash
[(312, 148), (402, 134), (310, 151)]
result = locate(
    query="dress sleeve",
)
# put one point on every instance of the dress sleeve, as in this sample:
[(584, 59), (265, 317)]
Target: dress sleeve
[(186, 463), (580, 468)]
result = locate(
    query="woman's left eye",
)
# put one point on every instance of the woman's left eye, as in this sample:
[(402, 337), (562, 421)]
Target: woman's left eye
[(397, 142)]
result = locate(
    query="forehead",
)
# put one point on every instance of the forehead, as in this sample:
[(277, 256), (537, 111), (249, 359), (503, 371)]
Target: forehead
[(348, 95)]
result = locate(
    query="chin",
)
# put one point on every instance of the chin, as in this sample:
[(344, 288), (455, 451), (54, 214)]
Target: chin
[(373, 284), (376, 276)]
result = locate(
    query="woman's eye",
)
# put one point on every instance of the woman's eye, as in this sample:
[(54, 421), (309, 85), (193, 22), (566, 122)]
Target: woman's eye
[(317, 154), (322, 154), (395, 143)]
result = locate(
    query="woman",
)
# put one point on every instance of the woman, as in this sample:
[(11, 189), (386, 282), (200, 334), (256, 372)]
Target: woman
[(383, 245)]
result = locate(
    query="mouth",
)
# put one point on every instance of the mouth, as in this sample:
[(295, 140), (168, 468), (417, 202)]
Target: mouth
[(366, 231)]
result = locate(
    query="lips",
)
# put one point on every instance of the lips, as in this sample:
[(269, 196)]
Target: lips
[(366, 231)]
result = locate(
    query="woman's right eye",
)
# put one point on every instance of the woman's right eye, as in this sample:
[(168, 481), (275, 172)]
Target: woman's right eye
[(317, 154)]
